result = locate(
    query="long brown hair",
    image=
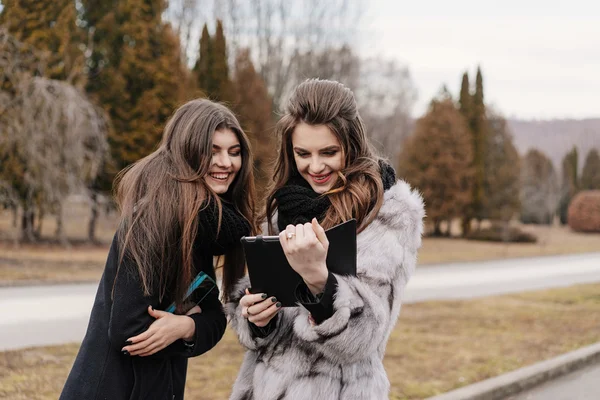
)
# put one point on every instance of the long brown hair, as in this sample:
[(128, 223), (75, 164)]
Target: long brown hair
[(358, 193), (161, 195)]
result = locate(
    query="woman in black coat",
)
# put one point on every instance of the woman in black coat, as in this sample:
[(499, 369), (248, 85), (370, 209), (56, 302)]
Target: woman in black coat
[(190, 200)]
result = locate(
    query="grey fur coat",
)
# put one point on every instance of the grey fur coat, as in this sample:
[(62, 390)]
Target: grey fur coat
[(342, 357)]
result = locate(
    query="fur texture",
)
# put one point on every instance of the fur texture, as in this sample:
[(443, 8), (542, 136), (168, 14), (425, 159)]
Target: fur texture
[(342, 357)]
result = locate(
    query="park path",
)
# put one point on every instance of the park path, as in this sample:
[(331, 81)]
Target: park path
[(56, 314)]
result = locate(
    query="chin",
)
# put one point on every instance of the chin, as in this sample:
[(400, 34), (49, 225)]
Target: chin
[(320, 189)]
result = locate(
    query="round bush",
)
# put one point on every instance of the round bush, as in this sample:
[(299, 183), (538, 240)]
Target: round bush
[(584, 212)]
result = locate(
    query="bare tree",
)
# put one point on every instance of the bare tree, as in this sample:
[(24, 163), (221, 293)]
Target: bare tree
[(184, 16), (61, 139), (52, 139), (386, 96), (280, 31)]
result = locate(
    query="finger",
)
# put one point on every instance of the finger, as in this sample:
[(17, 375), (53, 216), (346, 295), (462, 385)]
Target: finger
[(284, 241), (153, 348), (141, 337), (290, 232), (300, 233), (157, 313), (261, 306), (250, 299), (320, 233), (309, 233), (135, 348), (267, 315), (194, 310)]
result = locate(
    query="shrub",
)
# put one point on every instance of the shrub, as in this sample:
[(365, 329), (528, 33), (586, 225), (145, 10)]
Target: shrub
[(498, 233), (584, 212)]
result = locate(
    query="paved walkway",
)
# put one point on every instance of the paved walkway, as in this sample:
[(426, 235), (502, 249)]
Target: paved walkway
[(583, 384), (45, 315)]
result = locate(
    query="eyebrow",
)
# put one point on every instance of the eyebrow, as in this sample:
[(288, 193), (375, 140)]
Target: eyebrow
[(328, 148), (232, 147)]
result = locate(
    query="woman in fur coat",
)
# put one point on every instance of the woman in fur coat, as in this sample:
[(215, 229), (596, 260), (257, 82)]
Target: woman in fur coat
[(332, 345), (189, 200)]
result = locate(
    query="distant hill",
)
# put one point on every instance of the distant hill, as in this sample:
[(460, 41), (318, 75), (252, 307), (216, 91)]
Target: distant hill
[(556, 137)]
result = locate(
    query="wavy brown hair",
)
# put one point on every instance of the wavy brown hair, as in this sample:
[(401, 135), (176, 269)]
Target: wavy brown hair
[(161, 195), (358, 193)]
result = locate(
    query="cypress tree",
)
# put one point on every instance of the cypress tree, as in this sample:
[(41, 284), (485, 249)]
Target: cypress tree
[(478, 127), (569, 182), (212, 69), (502, 165), (203, 67), (590, 176)]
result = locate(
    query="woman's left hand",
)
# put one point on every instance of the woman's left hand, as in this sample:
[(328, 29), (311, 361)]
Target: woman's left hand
[(305, 247), (166, 329)]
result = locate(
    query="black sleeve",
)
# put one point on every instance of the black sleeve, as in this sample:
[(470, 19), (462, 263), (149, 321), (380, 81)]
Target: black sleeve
[(129, 316), (263, 332), (321, 305), (210, 325)]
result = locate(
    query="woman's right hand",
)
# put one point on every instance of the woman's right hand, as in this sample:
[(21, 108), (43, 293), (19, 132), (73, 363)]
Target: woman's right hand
[(259, 309)]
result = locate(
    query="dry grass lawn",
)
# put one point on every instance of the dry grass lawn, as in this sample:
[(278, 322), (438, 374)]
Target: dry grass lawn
[(26, 264), (436, 347)]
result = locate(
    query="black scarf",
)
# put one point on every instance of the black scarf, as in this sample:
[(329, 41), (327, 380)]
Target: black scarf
[(233, 227), (298, 203)]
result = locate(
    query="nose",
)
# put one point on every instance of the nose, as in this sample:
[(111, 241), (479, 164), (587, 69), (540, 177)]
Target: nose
[(222, 160), (316, 165)]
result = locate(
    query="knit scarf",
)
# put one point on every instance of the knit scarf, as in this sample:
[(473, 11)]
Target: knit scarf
[(233, 227), (298, 203)]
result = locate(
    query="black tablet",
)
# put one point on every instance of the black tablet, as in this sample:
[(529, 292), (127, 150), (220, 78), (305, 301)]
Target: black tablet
[(271, 273)]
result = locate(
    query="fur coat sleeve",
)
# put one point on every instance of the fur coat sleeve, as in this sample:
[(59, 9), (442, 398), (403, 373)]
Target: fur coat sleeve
[(367, 306)]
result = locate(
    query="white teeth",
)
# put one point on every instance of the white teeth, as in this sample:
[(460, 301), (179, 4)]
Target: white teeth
[(219, 176)]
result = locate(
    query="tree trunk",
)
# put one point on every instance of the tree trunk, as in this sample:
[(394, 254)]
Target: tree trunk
[(60, 231), (437, 230), (27, 225), (40, 222), (93, 218), (466, 226), (15, 211)]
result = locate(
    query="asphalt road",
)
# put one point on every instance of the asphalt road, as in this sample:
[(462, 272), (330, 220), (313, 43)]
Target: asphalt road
[(46, 315)]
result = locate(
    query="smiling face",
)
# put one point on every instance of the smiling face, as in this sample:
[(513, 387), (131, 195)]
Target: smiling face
[(318, 155), (226, 161)]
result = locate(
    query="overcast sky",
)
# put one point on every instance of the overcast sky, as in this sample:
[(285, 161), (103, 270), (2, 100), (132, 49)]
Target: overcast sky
[(540, 59)]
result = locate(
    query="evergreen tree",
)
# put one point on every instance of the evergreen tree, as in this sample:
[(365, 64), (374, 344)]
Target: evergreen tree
[(223, 90), (478, 128), (137, 75), (203, 67), (253, 106), (211, 68), (465, 98), (49, 26), (437, 160), (502, 164), (569, 183), (590, 176)]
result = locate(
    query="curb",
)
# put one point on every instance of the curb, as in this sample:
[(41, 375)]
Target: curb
[(514, 382)]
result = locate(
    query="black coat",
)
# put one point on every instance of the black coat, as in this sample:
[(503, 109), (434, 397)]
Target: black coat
[(102, 372)]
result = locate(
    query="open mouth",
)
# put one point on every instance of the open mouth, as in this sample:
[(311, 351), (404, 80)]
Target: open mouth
[(320, 179), (220, 176)]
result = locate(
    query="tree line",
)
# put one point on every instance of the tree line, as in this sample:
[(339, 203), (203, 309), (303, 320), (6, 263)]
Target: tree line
[(88, 85), (462, 156)]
